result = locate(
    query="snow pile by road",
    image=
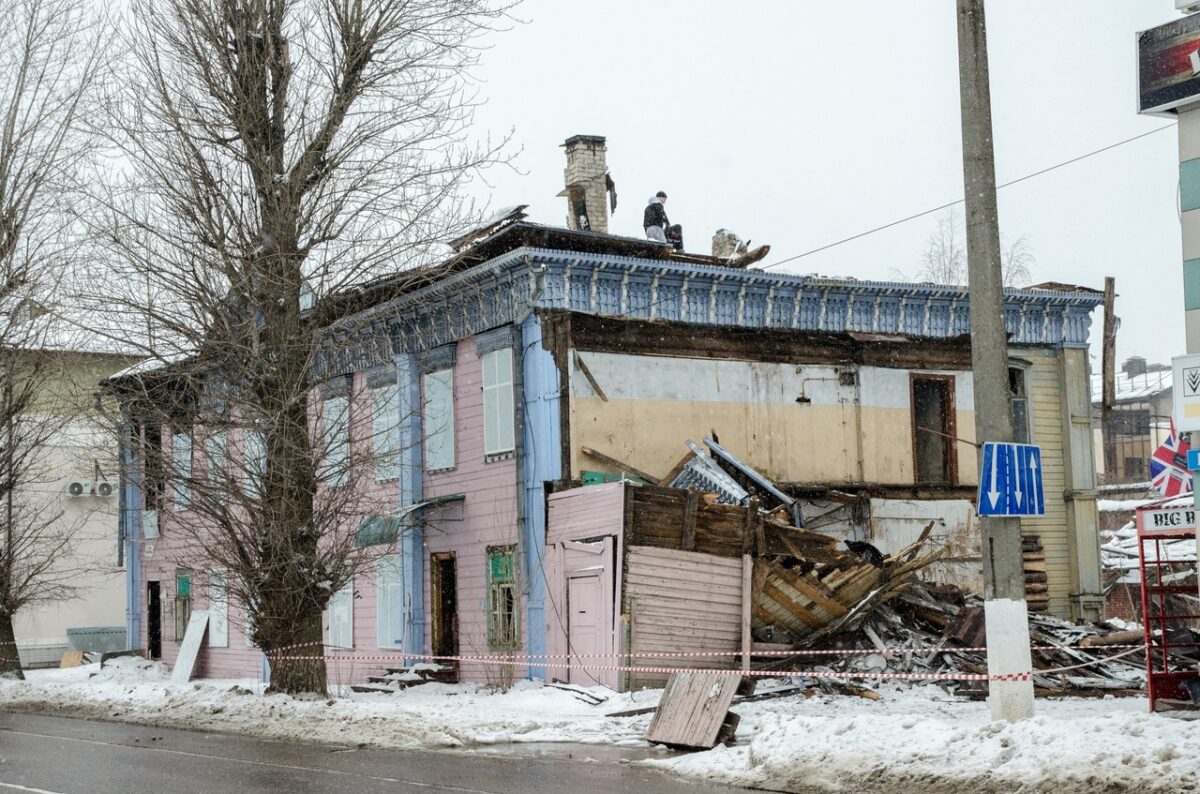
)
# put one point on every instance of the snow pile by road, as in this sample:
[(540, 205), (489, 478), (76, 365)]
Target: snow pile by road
[(923, 739), (913, 737), (432, 715)]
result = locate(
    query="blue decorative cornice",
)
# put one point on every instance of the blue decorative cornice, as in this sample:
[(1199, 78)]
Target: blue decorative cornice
[(498, 291)]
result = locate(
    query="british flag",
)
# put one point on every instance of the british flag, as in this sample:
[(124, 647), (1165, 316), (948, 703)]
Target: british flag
[(1168, 466)]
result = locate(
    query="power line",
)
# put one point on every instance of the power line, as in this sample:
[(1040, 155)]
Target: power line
[(960, 201)]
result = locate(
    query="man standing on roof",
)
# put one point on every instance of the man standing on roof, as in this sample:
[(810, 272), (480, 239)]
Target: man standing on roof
[(655, 217)]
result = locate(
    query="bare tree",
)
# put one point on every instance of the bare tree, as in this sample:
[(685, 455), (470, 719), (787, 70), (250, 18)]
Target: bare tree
[(280, 154), (50, 54), (944, 260)]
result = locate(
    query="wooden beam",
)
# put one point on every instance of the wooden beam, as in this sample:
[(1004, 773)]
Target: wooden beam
[(688, 541), (587, 373), (620, 465), (747, 598)]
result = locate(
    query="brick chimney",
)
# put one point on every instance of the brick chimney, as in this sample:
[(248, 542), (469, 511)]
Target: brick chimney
[(586, 183)]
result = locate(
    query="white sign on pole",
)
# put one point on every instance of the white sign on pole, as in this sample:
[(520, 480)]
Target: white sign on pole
[(1186, 390)]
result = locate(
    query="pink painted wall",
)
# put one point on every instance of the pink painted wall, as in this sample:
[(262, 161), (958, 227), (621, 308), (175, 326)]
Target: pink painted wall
[(575, 515), (487, 517)]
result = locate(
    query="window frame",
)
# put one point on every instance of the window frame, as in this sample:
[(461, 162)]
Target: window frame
[(336, 437), (503, 601), (384, 608), (181, 465), (386, 444), (218, 608), (340, 624), (949, 427), (495, 391), (439, 424), (1022, 368)]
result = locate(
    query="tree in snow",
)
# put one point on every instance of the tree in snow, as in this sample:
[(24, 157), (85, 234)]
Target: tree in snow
[(50, 53), (276, 158), (944, 260)]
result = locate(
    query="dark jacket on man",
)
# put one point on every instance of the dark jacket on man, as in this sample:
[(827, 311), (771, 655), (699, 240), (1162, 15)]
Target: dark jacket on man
[(655, 215)]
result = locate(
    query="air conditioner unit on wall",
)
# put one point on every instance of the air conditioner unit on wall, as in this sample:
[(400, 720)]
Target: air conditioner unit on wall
[(80, 488), (103, 489)]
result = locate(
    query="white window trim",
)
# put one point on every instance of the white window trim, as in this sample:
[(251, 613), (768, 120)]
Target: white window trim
[(493, 415), (439, 424), (385, 431), (341, 635), (335, 412), (216, 454), (181, 465), (218, 608), (383, 607)]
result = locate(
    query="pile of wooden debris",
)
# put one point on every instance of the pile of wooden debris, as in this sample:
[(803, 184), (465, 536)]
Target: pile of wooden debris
[(926, 629)]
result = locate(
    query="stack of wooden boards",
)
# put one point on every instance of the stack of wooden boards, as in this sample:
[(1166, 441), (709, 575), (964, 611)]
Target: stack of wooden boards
[(1037, 591)]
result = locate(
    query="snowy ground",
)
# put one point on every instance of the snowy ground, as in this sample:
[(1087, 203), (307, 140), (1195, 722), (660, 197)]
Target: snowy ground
[(917, 738)]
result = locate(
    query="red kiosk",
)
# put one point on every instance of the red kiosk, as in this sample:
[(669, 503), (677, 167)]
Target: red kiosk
[(1167, 562)]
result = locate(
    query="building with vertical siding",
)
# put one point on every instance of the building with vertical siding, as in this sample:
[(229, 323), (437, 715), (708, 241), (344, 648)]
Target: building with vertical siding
[(541, 346)]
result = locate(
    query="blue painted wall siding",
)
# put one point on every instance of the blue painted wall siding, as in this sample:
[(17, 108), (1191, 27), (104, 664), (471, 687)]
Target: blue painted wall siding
[(542, 462), (130, 527), (408, 380)]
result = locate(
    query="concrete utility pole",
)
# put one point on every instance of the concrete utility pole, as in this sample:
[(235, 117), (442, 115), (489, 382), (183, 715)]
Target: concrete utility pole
[(1108, 369), (1003, 569)]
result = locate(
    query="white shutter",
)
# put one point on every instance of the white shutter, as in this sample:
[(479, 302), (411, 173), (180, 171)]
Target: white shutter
[(439, 420), (214, 451), (337, 439), (218, 608), (498, 417), (390, 616), (181, 458), (254, 463), (341, 618), (385, 430)]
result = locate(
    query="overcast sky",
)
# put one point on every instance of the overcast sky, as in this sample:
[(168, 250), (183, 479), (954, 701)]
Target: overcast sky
[(801, 122)]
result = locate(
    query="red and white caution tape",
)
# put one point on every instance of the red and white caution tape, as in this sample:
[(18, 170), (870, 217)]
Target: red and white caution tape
[(518, 661)]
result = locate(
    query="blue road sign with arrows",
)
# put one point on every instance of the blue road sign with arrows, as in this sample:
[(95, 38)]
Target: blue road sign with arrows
[(1010, 481)]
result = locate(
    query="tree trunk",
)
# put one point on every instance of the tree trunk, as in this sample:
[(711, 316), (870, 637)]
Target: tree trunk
[(294, 676), (10, 662)]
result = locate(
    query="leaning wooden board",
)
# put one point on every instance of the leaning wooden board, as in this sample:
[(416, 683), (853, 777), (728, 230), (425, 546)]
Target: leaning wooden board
[(692, 709), (190, 648)]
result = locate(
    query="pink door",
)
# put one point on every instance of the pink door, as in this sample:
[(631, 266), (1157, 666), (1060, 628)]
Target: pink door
[(590, 610), (585, 607)]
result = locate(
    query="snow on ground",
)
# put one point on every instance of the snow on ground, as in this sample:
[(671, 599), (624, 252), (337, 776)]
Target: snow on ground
[(920, 737), (924, 739), (431, 715)]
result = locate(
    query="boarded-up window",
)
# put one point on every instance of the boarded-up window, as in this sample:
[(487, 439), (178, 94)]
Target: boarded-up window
[(439, 418), (502, 598), (390, 612), (498, 402), (385, 431), (218, 608), (181, 459), (933, 429), (341, 618), (336, 436)]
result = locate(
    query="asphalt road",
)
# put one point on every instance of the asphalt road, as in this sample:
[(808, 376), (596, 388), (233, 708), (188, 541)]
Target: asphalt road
[(55, 755)]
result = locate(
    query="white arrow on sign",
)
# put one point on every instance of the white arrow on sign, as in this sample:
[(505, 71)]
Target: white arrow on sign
[(994, 494), (1033, 467), (1017, 491)]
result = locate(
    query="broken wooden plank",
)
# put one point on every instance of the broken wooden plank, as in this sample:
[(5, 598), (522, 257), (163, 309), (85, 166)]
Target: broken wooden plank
[(620, 465), (587, 373), (688, 542), (693, 709)]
